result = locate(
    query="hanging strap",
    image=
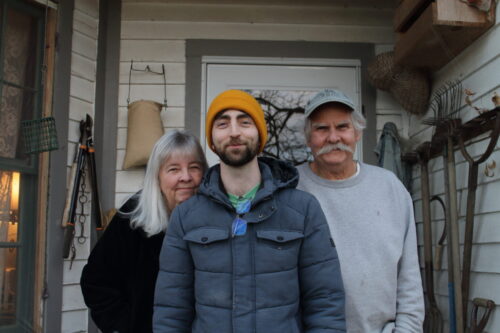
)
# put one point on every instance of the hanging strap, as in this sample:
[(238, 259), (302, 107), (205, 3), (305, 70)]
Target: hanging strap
[(148, 70)]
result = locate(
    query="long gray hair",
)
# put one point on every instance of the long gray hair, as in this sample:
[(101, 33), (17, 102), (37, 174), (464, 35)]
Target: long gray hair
[(151, 213)]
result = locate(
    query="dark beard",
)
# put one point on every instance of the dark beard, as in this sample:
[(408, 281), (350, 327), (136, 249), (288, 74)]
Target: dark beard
[(239, 160)]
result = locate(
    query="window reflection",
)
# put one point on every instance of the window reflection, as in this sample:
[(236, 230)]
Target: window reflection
[(9, 205), (9, 221)]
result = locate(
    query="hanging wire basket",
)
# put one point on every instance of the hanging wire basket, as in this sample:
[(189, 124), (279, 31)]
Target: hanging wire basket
[(39, 135)]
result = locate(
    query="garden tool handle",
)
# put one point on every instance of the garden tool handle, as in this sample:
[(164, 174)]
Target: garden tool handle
[(489, 305), (438, 255)]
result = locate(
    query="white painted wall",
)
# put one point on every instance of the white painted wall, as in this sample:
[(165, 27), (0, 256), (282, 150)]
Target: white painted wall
[(478, 67), (82, 99)]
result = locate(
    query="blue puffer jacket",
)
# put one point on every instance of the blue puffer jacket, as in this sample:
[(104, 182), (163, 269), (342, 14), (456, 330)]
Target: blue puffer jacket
[(282, 276)]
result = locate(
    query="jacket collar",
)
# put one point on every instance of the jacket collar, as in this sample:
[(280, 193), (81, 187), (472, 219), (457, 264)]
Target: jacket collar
[(275, 175)]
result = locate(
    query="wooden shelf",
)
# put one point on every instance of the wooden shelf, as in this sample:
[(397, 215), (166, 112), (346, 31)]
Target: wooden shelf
[(442, 30), (407, 12)]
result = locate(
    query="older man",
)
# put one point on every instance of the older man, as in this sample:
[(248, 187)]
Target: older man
[(370, 215)]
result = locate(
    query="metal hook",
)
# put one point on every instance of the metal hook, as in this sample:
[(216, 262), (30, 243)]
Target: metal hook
[(148, 69)]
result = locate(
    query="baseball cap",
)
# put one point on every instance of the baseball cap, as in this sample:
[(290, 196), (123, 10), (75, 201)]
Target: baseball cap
[(327, 96)]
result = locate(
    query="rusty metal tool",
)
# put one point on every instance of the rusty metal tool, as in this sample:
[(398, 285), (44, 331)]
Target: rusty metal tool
[(85, 157), (489, 305), (71, 202), (471, 203), (452, 227), (433, 318), (438, 253), (445, 104)]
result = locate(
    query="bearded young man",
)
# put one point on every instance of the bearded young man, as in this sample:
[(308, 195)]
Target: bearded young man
[(370, 215), (249, 252)]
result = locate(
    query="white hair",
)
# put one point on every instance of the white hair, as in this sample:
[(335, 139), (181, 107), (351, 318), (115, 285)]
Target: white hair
[(151, 213), (357, 118)]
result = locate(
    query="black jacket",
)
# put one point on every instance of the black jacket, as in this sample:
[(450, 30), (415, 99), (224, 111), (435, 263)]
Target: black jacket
[(119, 279)]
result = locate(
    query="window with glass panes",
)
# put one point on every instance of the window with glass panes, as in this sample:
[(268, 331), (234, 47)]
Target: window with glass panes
[(21, 53)]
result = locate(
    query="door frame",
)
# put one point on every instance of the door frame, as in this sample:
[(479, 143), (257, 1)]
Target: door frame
[(206, 61)]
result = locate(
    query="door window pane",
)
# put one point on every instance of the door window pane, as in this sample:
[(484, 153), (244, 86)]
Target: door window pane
[(18, 88), (21, 58), (16, 106), (19, 49)]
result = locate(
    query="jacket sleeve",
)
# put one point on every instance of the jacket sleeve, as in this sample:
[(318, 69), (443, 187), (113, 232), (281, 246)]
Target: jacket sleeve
[(410, 303), (103, 280), (322, 290), (174, 298)]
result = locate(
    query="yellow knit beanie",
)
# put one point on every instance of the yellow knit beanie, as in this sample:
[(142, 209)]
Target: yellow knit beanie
[(237, 100)]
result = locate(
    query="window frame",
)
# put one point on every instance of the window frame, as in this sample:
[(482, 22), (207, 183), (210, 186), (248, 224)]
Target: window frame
[(29, 169)]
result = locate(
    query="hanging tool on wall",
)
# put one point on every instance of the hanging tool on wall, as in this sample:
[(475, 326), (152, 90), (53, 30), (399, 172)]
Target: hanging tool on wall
[(471, 200), (84, 157), (433, 322), (445, 104), (438, 253), (488, 305), (450, 131)]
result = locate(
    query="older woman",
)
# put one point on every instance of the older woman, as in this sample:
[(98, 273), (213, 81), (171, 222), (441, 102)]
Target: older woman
[(119, 279)]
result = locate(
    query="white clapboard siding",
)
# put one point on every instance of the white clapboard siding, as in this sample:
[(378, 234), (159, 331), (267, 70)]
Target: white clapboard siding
[(82, 89), (74, 321), (85, 24), (159, 49), (130, 180), (273, 20), (84, 45), (82, 98), (477, 67), (83, 67), (121, 142), (72, 298), (250, 13), (386, 103), (248, 31), (78, 109), (174, 72)]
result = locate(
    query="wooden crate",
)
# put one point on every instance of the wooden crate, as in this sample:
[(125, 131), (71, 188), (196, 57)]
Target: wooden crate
[(441, 32), (407, 12)]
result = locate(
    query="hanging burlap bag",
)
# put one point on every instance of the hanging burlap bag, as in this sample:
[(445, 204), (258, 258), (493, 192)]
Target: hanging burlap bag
[(144, 129)]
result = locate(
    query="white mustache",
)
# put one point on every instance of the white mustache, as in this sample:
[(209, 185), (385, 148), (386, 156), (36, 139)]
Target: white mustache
[(336, 146)]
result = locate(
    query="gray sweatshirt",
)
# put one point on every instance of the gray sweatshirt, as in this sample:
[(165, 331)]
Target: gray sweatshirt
[(371, 220)]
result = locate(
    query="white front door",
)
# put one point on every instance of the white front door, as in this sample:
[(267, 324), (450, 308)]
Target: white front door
[(283, 86)]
